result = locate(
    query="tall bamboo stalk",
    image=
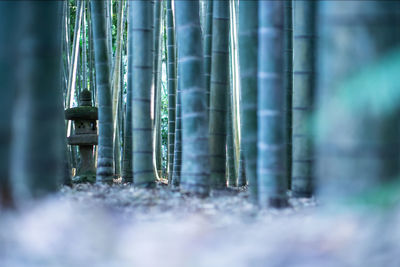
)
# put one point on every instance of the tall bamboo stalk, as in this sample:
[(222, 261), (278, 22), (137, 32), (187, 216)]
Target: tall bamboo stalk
[(271, 165), (127, 166), (8, 43), (357, 133), (66, 50), (195, 144), (109, 25), (230, 154), (75, 53), (235, 82), (105, 159), (176, 175), (303, 98), (239, 151), (171, 72), (207, 46), (219, 93), (37, 159), (84, 48), (140, 59), (116, 88), (157, 86), (248, 25), (288, 82)]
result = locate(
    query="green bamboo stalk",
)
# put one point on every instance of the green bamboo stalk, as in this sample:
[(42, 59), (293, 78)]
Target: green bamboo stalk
[(176, 174), (358, 106), (116, 88), (288, 82), (84, 56), (72, 73), (109, 24), (208, 46), (105, 158), (303, 97), (66, 180), (8, 19), (242, 181), (66, 48), (171, 72), (219, 93), (127, 166), (231, 168), (235, 84), (37, 160), (239, 159), (140, 59), (248, 45), (195, 143), (91, 56), (271, 169), (75, 55), (157, 87)]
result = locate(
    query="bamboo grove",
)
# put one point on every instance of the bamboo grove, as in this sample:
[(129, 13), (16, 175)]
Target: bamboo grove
[(274, 97)]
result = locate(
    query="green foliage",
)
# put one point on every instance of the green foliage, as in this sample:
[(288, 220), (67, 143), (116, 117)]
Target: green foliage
[(164, 123)]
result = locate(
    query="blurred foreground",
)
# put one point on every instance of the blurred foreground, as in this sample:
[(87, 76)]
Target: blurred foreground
[(123, 226)]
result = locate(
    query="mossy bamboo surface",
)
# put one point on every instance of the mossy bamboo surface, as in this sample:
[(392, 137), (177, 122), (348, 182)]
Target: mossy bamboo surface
[(141, 61), (248, 45), (195, 172), (303, 98)]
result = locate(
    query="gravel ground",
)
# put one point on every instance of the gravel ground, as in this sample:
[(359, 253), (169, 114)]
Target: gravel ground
[(122, 226)]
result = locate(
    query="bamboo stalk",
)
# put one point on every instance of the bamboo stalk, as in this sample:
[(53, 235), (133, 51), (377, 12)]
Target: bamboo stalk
[(141, 63), (195, 144), (116, 88), (171, 72), (219, 93), (105, 160), (156, 87), (37, 168), (271, 167), (208, 46), (303, 98), (248, 45), (288, 83)]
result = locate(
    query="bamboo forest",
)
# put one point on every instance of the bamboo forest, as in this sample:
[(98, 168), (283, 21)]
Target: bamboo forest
[(201, 133)]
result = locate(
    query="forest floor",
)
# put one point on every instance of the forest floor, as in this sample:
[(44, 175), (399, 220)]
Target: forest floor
[(122, 226)]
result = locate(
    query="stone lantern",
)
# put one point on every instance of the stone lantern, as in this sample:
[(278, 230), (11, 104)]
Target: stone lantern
[(85, 136)]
